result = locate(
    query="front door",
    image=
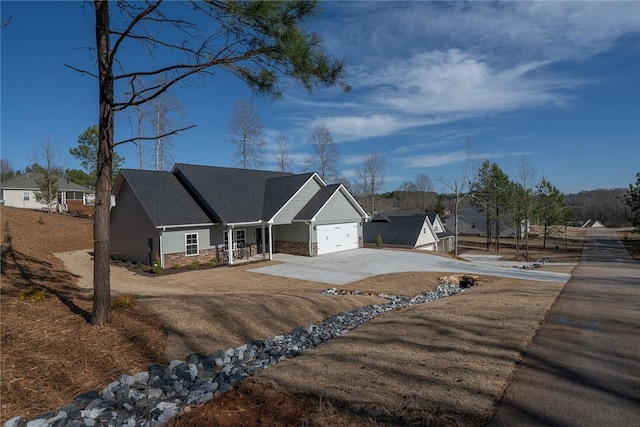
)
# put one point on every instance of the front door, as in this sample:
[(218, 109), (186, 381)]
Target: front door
[(259, 240)]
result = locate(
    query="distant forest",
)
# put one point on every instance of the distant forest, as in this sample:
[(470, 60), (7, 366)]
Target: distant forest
[(603, 205)]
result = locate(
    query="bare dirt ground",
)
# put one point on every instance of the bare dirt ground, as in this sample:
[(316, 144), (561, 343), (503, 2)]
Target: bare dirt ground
[(444, 362)]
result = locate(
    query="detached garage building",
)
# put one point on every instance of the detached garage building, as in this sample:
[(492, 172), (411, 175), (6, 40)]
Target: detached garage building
[(200, 213)]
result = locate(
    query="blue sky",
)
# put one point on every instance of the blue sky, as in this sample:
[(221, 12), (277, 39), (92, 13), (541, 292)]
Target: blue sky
[(557, 83)]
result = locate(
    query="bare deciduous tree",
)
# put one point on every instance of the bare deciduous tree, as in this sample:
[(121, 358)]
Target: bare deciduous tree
[(162, 113), (259, 42), (460, 189), (283, 159), (424, 189), (247, 135), (324, 155), (46, 155), (371, 178), (527, 175)]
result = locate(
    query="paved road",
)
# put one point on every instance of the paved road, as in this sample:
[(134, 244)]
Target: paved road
[(349, 266), (583, 367)]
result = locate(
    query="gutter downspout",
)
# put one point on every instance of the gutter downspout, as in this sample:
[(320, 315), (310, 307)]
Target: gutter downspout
[(310, 224)]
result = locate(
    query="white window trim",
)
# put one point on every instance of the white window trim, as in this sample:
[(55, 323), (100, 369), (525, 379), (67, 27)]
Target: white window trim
[(186, 245), (26, 196), (236, 237), (234, 243)]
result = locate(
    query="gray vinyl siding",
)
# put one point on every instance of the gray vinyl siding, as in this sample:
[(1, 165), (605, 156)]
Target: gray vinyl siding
[(174, 241), (297, 202), (131, 229), (338, 210), (296, 232)]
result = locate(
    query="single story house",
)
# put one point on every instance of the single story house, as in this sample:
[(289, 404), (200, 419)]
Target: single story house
[(20, 192), (593, 224), (472, 221), (413, 229), (445, 237), (198, 213)]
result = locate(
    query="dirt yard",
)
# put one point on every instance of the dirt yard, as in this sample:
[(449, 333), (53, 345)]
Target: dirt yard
[(445, 362)]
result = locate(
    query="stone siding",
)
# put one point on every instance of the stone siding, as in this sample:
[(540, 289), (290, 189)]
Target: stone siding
[(292, 248), (171, 260), (206, 255)]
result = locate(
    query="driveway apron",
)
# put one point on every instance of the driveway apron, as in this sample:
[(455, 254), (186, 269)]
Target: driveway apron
[(583, 366)]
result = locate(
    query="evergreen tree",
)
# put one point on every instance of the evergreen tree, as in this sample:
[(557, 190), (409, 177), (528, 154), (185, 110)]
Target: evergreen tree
[(87, 153), (261, 43), (632, 199), (550, 206)]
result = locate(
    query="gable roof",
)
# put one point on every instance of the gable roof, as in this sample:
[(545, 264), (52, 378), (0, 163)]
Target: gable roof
[(316, 203), (401, 230), (433, 217), (228, 195), (165, 200), (194, 194), (279, 191), (27, 181)]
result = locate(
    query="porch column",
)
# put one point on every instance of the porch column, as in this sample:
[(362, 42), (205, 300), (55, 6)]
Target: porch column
[(264, 244), (270, 243), (230, 245)]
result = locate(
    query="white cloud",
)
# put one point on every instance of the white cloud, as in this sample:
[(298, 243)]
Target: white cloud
[(437, 160), (355, 127), (562, 30), (456, 82)]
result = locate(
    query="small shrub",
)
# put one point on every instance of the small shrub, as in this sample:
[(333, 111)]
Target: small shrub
[(32, 295), (123, 301), (176, 266), (213, 262), (379, 241), (195, 265), (157, 266)]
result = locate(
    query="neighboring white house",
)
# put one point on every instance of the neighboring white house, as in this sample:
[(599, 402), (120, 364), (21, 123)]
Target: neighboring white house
[(413, 229), (593, 224), (20, 192)]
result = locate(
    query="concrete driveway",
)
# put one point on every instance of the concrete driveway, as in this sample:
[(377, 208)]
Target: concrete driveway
[(345, 267)]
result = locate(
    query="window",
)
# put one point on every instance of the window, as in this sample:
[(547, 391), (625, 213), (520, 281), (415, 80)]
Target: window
[(25, 196), (239, 241), (191, 243)]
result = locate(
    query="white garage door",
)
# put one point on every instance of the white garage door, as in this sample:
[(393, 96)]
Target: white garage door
[(337, 237)]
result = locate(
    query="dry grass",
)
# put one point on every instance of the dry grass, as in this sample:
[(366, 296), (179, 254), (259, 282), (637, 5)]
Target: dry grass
[(444, 362), (631, 241)]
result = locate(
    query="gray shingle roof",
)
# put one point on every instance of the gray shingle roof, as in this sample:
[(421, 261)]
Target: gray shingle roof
[(164, 198), (27, 181), (229, 195), (316, 203), (402, 230), (279, 190)]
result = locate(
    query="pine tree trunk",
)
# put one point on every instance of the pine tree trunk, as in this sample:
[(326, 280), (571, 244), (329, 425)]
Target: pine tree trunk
[(101, 285)]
